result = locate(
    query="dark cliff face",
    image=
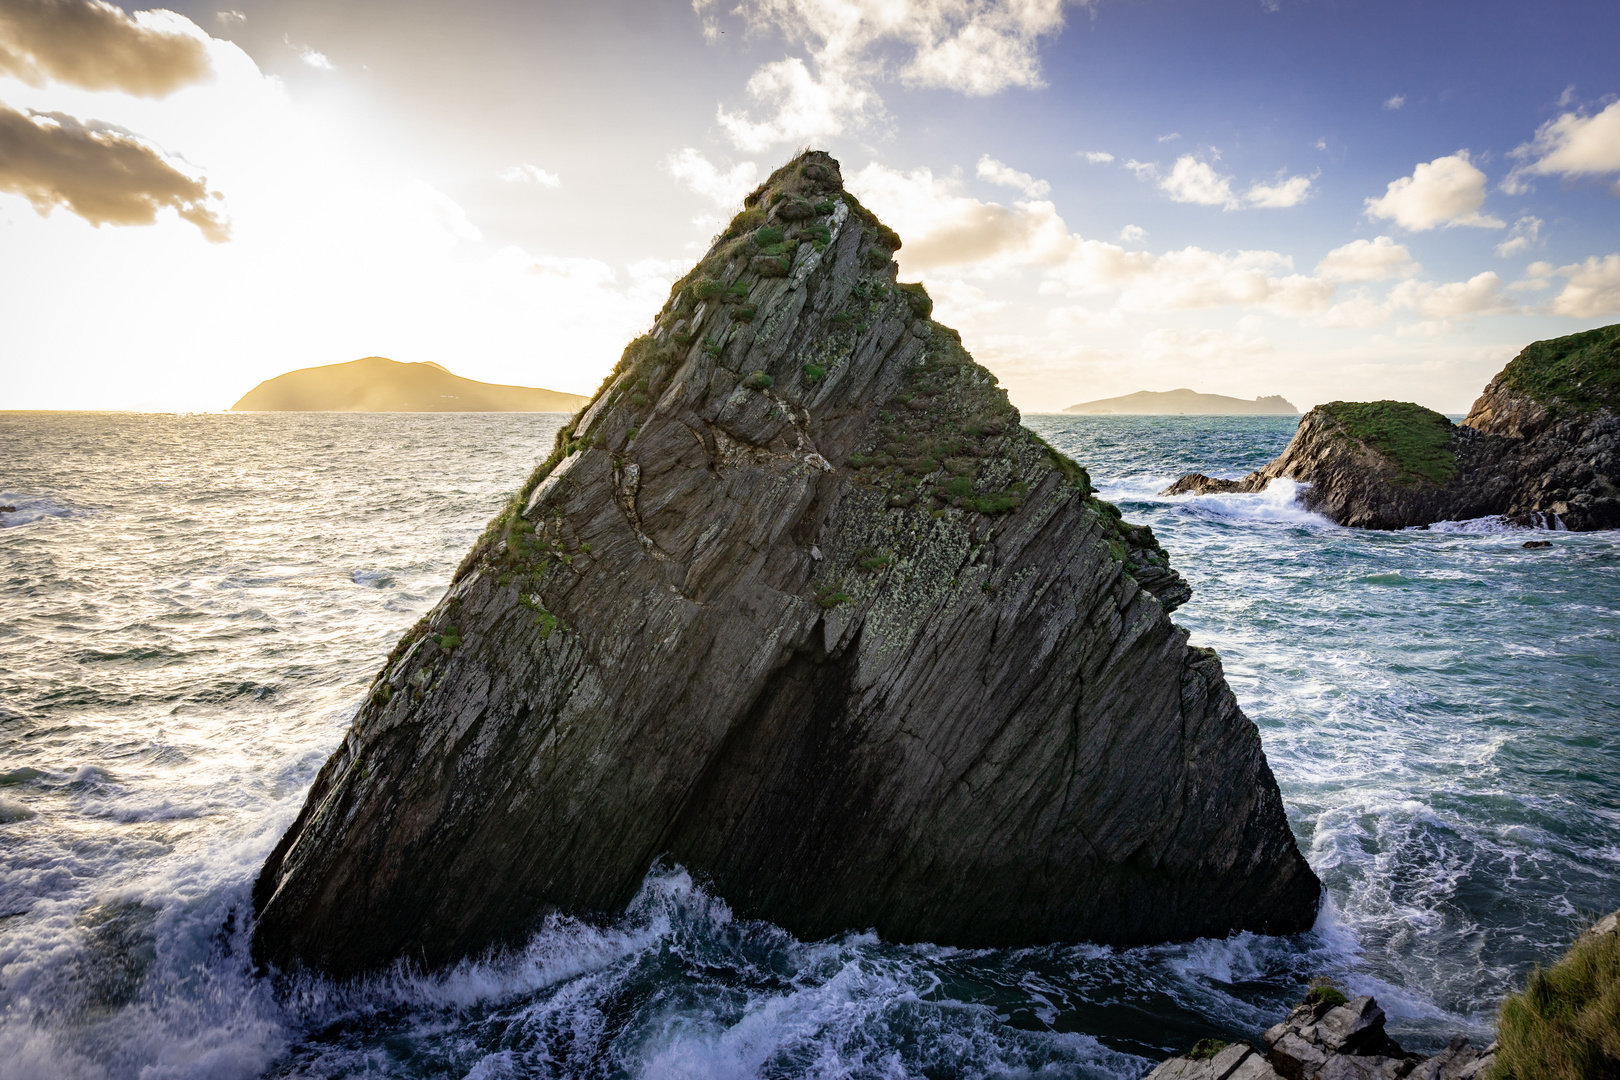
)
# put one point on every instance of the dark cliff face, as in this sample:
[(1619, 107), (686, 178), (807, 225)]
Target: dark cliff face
[(798, 604), (1541, 447)]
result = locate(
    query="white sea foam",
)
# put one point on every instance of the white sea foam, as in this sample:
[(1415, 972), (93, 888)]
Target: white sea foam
[(1278, 503)]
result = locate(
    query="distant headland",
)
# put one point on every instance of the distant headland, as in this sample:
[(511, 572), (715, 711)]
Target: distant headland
[(1186, 402), (377, 384)]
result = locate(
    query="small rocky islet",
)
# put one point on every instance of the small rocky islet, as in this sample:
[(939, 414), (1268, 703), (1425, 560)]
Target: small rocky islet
[(799, 604), (1540, 448)]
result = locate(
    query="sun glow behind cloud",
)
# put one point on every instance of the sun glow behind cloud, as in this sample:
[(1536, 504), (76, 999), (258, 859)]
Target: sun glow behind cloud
[(332, 253)]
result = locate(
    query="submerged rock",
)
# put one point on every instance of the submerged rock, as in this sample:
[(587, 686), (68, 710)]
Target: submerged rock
[(1541, 447), (798, 604)]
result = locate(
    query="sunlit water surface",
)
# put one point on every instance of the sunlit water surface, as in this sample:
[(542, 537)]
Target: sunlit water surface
[(192, 606)]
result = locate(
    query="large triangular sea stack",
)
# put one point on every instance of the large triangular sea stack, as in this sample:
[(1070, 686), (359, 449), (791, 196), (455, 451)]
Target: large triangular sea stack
[(798, 604)]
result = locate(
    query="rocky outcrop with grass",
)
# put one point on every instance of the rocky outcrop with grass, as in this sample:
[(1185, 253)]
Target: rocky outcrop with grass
[(799, 604), (1328, 1037), (1564, 1025), (1541, 447)]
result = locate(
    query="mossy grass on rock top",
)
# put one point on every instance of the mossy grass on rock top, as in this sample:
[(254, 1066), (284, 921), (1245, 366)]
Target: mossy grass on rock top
[(1417, 442), (798, 603), (1579, 372), (1541, 447)]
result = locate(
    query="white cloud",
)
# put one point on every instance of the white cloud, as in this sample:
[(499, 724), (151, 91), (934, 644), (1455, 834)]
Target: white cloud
[(309, 55), (1320, 144), (1571, 145), (942, 227), (102, 173), (1188, 279), (1447, 191), (1395, 102), (962, 305), (1285, 193), (1132, 233), (530, 174), (1593, 289), (990, 49), (1194, 181), (1523, 236), (975, 48), (1170, 137), (1479, 295), (1378, 259), (1099, 157), (699, 174), (1006, 176), (801, 107), (97, 46), (1537, 276), (230, 18)]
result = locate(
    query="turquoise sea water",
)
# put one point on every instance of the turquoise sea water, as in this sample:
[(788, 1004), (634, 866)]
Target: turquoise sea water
[(191, 607)]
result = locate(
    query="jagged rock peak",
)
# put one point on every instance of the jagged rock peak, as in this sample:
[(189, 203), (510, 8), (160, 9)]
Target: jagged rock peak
[(799, 604)]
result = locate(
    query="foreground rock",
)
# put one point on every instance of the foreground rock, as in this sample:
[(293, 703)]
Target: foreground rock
[(1541, 447), (1326, 1040), (798, 604)]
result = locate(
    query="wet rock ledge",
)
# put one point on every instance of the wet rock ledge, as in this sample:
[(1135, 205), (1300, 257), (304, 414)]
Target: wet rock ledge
[(1541, 447), (799, 604)]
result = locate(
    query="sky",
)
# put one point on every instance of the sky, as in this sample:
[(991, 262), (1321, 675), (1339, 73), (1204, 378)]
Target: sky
[(1322, 199)]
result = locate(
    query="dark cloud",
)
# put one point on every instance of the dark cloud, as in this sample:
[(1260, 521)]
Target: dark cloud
[(97, 46), (104, 174)]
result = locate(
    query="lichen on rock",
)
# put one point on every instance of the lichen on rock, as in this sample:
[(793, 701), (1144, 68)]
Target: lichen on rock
[(797, 603)]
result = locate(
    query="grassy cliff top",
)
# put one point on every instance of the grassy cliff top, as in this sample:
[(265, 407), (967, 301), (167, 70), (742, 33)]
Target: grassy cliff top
[(1581, 370), (1566, 1023), (1417, 441)]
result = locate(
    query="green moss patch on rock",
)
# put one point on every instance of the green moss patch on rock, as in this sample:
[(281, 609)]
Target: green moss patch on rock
[(1581, 371), (1417, 441)]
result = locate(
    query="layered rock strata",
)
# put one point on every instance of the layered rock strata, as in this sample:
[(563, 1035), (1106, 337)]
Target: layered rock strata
[(1323, 1041), (798, 604), (1541, 447)]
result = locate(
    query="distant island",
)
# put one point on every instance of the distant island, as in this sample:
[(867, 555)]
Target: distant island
[(377, 384), (1186, 402)]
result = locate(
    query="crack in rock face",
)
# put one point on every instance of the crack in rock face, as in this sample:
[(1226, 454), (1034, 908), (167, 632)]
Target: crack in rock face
[(796, 603)]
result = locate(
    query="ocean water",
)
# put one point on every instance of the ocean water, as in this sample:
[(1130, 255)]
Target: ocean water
[(192, 606)]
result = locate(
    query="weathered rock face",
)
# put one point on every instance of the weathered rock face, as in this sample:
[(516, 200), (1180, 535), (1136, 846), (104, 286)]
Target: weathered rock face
[(1540, 447), (798, 604), (1322, 1041)]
